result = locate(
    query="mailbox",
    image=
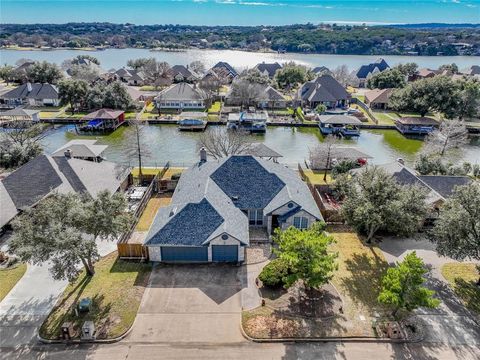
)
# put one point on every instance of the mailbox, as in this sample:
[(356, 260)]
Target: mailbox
[(88, 330), (67, 330)]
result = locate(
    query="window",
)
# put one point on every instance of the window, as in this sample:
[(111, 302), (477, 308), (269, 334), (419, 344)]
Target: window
[(255, 217), (300, 222)]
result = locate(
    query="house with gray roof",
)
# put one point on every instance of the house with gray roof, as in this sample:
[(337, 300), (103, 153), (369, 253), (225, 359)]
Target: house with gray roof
[(181, 73), (268, 69), (323, 90), (366, 71), (82, 149), (181, 96), (33, 94), (44, 175), (131, 77), (217, 204)]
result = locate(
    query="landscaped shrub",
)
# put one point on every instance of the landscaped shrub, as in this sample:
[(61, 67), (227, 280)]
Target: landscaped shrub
[(273, 273)]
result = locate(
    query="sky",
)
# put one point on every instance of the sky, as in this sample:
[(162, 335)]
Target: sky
[(239, 12)]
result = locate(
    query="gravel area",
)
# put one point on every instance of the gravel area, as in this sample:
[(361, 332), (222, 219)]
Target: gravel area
[(258, 253)]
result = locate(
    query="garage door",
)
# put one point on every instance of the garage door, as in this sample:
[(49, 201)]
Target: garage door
[(224, 253), (185, 254)]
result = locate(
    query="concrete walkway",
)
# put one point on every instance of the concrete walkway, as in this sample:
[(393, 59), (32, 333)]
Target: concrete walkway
[(26, 306), (451, 323)]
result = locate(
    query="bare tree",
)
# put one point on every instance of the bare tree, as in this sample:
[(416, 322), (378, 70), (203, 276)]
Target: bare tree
[(344, 76), (247, 93), (136, 147), (158, 73), (321, 156), (220, 143), (451, 134), (197, 66)]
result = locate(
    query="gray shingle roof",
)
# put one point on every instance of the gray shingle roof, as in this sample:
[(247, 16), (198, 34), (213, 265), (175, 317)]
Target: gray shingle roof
[(443, 184), (263, 151), (271, 69), (39, 91), (181, 92), (191, 226), (81, 148), (339, 119), (364, 70), (323, 89), (247, 182), (227, 66)]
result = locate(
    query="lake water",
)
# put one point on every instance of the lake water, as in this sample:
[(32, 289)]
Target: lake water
[(116, 58), (166, 143)]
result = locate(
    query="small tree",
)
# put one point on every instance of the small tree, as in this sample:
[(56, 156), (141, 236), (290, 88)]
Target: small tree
[(197, 67), (450, 135), (73, 92), (457, 231), (44, 72), (306, 252), (402, 286), (137, 149), (391, 78), (7, 73), (344, 76), (247, 93), (220, 143), (64, 228), (320, 108), (254, 76), (375, 201), (321, 156), (291, 74)]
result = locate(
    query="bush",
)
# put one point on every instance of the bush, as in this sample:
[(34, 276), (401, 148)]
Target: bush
[(273, 273)]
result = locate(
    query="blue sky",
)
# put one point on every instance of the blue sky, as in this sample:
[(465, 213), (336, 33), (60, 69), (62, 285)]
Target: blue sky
[(239, 12)]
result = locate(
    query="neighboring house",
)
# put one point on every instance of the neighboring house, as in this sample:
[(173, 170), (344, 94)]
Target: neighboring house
[(181, 73), (472, 70), (366, 71), (323, 90), (21, 71), (378, 98), (222, 72), (321, 70), (268, 69), (270, 98), (81, 149), (35, 94), (44, 175), (218, 204), (131, 77), (226, 66), (181, 96), (19, 114)]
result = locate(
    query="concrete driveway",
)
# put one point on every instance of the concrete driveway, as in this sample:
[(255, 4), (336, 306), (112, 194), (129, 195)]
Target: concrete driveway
[(191, 303)]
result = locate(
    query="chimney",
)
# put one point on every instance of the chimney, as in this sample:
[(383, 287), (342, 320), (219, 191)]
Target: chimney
[(401, 161), (29, 86), (203, 155), (68, 153)]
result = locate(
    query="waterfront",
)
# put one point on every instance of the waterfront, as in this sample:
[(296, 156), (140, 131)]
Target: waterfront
[(116, 58), (166, 143)]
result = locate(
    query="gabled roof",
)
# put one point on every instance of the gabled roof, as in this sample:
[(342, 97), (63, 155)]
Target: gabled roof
[(271, 69), (38, 91), (181, 91), (182, 70), (239, 175), (323, 89), (106, 114), (321, 69), (273, 94), (222, 64), (81, 148), (19, 112), (421, 121), (185, 226), (339, 120), (444, 184), (263, 151), (42, 175), (379, 96), (365, 70)]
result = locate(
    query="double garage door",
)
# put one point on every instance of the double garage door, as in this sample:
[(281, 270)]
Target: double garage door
[(220, 253)]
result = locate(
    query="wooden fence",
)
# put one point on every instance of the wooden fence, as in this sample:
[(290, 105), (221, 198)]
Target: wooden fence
[(128, 250), (366, 108)]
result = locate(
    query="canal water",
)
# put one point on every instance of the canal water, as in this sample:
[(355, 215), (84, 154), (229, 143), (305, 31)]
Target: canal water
[(166, 143)]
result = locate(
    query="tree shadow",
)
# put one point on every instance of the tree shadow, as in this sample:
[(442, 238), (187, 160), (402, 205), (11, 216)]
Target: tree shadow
[(364, 283), (140, 267), (469, 292)]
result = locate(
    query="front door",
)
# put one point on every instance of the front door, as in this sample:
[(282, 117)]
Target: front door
[(275, 223)]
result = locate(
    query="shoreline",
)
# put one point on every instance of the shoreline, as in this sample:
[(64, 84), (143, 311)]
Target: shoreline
[(264, 51)]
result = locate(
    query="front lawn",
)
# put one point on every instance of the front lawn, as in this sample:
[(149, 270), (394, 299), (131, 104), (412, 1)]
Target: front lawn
[(357, 281), (462, 278), (9, 278), (116, 290)]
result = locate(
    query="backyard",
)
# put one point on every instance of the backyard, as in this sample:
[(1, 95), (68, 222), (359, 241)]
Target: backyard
[(356, 283), (116, 290)]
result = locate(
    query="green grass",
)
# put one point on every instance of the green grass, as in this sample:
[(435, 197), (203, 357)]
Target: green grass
[(147, 88), (462, 278), (359, 97), (215, 108), (150, 212), (300, 114), (9, 278), (116, 290), (315, 177), (145, 171), (383, 118)]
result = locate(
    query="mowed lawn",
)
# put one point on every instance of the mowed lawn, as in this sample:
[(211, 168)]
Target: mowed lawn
[(317, 177), (9, 278), (357, 280), (151, 210), (116, 290), (463, 278)]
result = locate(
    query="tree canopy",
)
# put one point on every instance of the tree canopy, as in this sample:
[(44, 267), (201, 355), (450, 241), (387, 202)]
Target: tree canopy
[(64, 230), (457, 230), (44, 72), (402, 286), (391, 78), (306, 254), (375, 201), (291, 75)]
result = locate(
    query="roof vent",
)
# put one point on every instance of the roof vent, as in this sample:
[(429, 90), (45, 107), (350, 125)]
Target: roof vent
[(234, 197), (68, 153), (401, 161), (203, 155), (173, 211)]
